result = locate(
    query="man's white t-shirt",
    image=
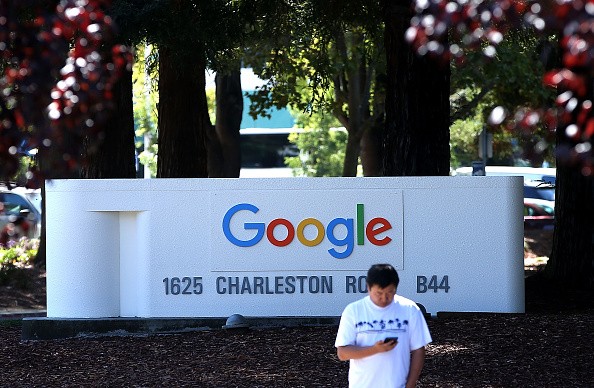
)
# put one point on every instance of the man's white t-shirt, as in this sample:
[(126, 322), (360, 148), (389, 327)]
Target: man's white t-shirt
[(363, 324)]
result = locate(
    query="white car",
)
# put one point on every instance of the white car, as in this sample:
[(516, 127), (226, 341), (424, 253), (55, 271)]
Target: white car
[(19, 217)]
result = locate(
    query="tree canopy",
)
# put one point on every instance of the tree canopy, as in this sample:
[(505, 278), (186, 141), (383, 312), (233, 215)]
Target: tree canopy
[(59, 70), (483, 26), (61, 64)]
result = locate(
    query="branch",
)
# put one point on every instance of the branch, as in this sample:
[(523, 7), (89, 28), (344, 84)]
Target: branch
[(465, 110)]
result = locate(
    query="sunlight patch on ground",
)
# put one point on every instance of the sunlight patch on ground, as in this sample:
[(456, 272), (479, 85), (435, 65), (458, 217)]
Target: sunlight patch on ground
[(531, 263)]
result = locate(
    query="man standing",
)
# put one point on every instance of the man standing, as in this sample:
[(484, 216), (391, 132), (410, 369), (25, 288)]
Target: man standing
[(383, 335)]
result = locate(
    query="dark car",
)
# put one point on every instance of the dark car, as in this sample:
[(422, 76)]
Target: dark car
[(539, 214)]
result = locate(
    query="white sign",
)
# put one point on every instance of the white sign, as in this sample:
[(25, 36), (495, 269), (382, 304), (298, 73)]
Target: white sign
[(292, 247)]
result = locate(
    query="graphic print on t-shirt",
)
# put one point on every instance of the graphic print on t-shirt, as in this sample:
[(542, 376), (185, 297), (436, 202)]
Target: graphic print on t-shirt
[(392, 325)]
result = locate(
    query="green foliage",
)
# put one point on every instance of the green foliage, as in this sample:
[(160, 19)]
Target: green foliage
[(322, 152), (464, 138), (511, 79), (16, 257), (148, 157), (213, 31), (326, 61), (211, 101), (463, 141), (145, 99), (322, 145), (311, 44), (26, 164)]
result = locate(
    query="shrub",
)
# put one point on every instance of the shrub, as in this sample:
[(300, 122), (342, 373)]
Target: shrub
[(16, 257)]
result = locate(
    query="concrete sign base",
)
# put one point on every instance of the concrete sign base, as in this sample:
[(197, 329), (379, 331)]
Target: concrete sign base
[(286, 247)]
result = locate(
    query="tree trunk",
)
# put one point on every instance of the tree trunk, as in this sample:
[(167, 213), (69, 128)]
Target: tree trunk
[(229, 112), (571, 263), (357, 104), (114, 156), (371, 151), (371, 142), (41, 256), (183, 117), (351, 155), (416, 137), (352, 87)]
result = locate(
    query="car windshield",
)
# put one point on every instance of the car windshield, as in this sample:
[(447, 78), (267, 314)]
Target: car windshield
[(13, 204)]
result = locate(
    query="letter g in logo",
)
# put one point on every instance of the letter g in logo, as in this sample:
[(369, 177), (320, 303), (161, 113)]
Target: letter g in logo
[(257, 226)]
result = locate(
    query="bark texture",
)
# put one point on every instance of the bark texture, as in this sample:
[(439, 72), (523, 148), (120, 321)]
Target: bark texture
[(572, 258), (352, 87), (229, 112), (113, 156), (416, 138), (183, 117)]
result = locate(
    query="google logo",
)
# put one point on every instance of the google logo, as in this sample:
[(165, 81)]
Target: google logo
[(370, 231)]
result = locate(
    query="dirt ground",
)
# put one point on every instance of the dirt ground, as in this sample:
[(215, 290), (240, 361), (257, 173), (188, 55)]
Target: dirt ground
[(26, 291), (549, 346), (528, 350), (537, 248)]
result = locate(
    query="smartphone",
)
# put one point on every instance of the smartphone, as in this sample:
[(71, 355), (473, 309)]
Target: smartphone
[(395, 339)]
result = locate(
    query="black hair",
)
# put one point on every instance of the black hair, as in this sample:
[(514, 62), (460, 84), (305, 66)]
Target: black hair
[(382, 275)]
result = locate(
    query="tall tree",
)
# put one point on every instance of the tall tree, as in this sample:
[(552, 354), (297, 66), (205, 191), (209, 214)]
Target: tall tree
[(353, 87), (571, 260), (416, 138), (191, 37), (336, 48), (483, 24), (113, 155), (55, 84), (183, 116), (224, 151)]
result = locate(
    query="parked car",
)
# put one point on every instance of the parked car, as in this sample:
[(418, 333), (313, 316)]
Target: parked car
[(529, 173), (33, 195), (539, 189), (538, 182), (18, 217), (539, 214)]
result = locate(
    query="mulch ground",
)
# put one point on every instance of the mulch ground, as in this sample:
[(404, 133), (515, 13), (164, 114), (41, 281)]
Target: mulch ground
[(549, 346), (25, 290), (528, 350)]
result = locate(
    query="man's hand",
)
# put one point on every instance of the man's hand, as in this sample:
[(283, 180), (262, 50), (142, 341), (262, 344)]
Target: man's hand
[(352, 352), (385, 346)]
